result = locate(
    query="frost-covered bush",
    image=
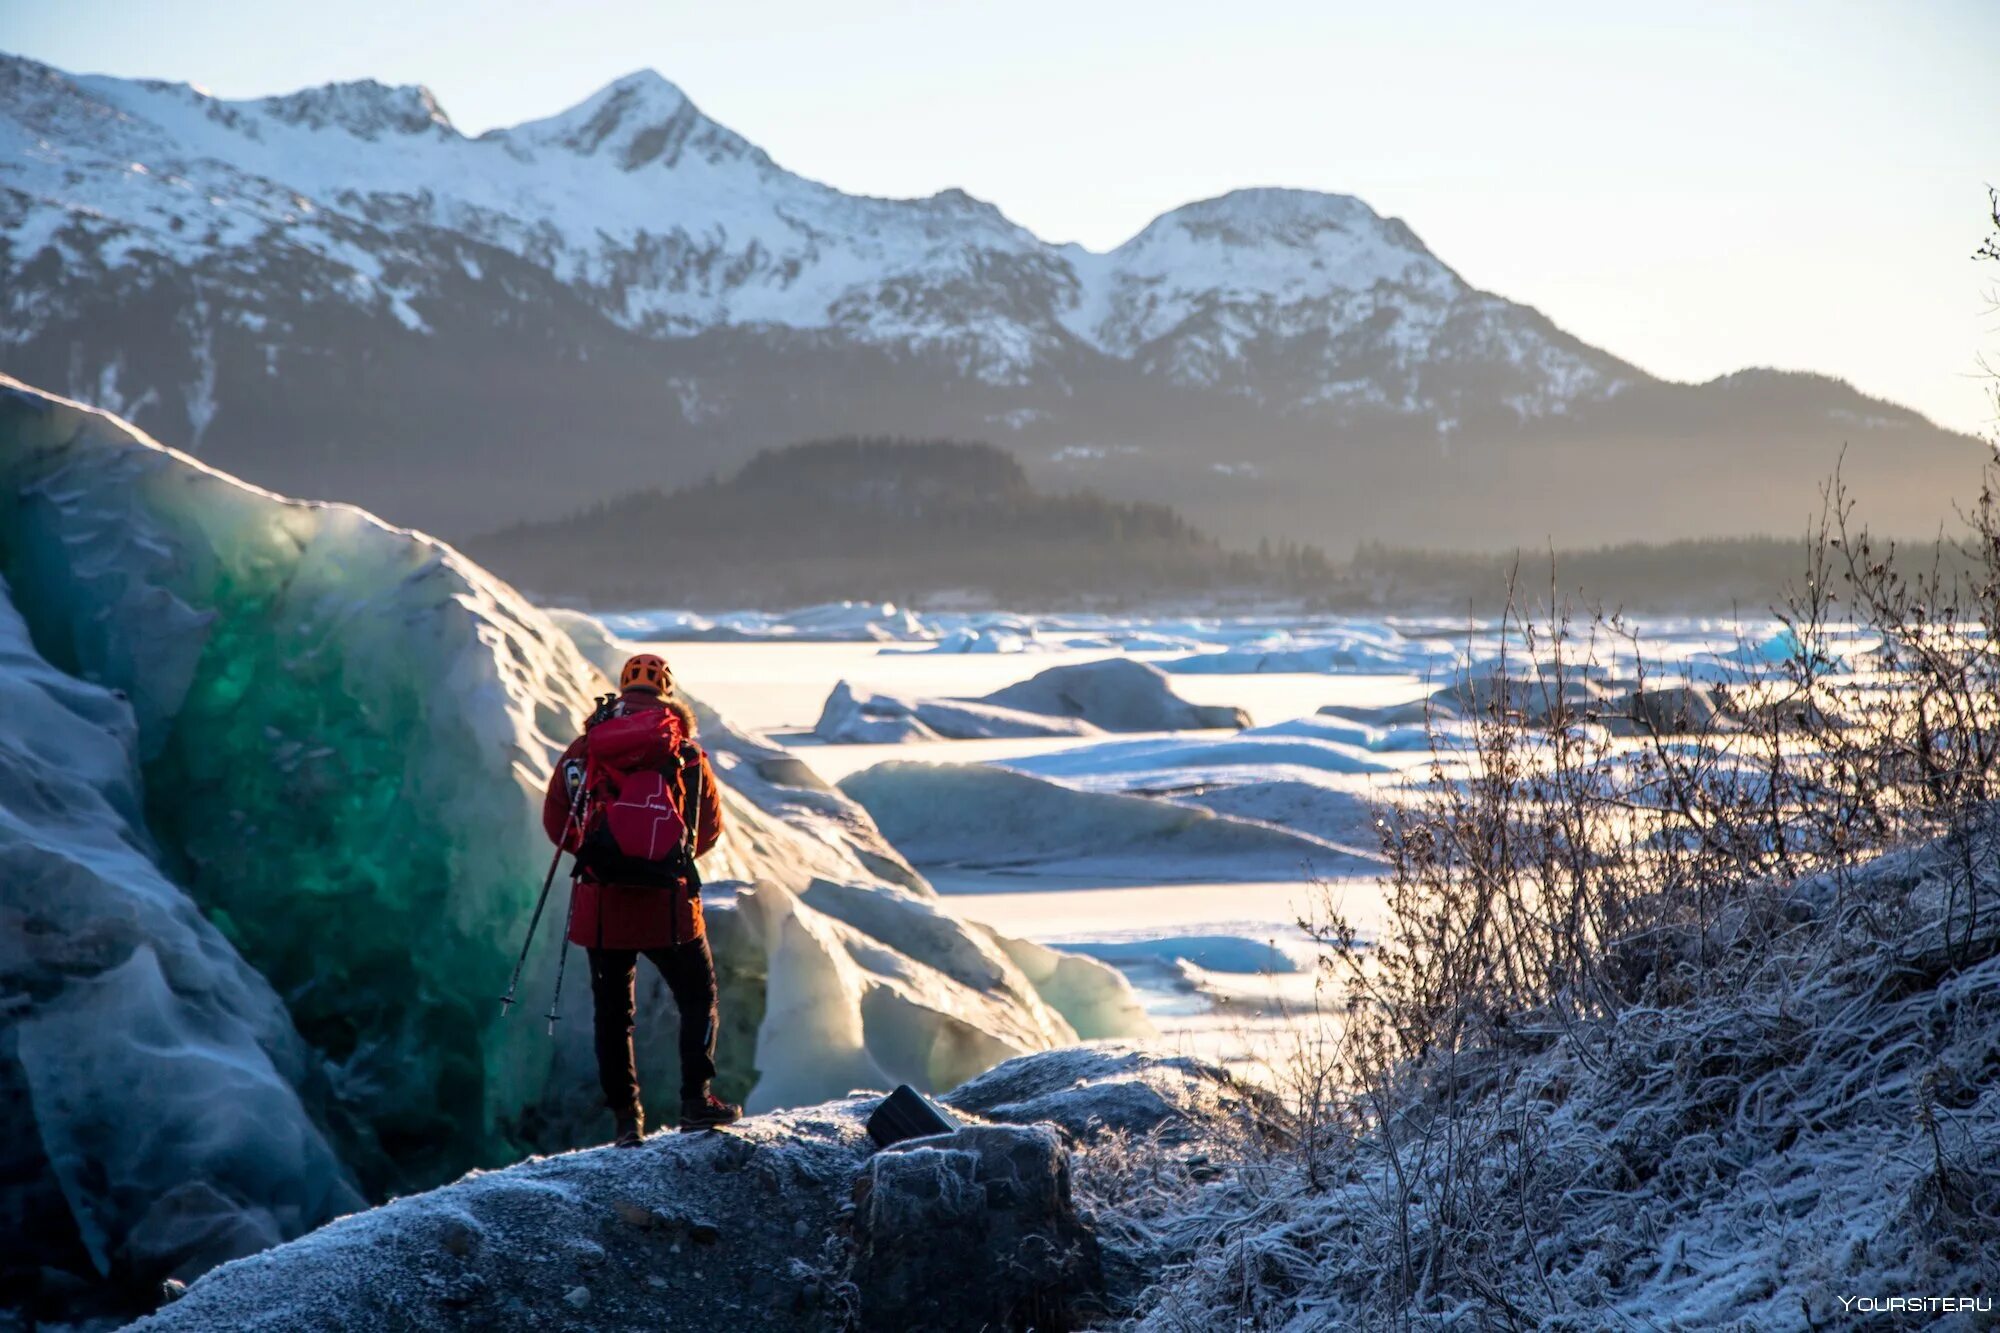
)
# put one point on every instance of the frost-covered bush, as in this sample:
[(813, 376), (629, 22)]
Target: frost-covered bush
[(1679, 1015), (1830, 1129)]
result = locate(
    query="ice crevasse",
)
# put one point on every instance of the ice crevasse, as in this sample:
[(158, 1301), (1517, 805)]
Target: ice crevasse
[(308, 749)]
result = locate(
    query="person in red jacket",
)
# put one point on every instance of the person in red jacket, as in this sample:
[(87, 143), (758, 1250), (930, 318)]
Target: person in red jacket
[(615, 923)]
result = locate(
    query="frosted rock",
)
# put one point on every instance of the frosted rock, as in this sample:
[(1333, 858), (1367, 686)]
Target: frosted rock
[(496, 1249), (1088, 1090), (971, 1230)]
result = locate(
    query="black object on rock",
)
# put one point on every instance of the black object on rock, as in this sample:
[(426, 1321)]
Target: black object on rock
[(908, 1114)]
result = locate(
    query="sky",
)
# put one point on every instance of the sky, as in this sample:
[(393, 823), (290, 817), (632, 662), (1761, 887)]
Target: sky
[(1694, 187)]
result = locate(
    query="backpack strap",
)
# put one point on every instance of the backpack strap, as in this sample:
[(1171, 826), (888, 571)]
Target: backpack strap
[(690, 757)]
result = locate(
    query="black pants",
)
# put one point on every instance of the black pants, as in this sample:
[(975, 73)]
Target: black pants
[(689, 970)]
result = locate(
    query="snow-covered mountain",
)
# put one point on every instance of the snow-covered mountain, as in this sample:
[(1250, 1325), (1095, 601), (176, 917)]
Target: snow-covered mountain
[(630, 272)]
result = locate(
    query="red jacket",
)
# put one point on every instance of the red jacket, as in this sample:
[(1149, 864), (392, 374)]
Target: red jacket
[(613, 916)]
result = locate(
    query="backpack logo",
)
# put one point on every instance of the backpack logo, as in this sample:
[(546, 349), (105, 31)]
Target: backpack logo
[(643, 820)]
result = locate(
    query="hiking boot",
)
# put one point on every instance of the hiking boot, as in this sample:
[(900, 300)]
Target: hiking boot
[(631, 1130), (705, 1110)]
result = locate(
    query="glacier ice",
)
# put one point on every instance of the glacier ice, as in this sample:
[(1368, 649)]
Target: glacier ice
[(1337, 814), (978, 817), (1115, 694), (1097, 1001), (151, 1118), (332, 734), (1174, 763), (829, 622), (855, 717), (339, 725), (848, 986), (1077, 699)]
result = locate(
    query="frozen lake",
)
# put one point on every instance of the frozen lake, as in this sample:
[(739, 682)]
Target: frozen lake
[(780, 687), (1235, 1016), (1202, 917)]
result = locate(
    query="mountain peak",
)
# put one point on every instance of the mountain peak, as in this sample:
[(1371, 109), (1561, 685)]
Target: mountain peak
[(1297, 243), (647, 82), (1264, 214), (363, 107), (638, 120)]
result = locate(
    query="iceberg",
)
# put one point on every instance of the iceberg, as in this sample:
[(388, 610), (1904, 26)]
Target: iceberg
[(1115, 694), (1081, 699), (829, 622), (1338, 815), (1344, 646), (853, 717), (982, 639), (1211, 953), (1167, 764), (979, 817), (1096, 1000)]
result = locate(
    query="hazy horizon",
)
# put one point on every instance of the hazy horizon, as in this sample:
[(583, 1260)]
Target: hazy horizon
[(1696, 193)]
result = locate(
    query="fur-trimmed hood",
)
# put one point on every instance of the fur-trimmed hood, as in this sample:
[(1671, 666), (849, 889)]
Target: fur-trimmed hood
[(672, 702), (680, 709)]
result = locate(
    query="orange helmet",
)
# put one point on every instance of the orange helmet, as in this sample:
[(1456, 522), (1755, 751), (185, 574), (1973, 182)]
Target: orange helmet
[(646, 672)]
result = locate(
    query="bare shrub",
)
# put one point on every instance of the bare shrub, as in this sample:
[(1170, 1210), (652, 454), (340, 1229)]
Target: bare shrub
[(1649, 965)]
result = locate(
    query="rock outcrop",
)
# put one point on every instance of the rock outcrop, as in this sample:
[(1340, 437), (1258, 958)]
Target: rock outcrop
[(972, 1231), (790, 1221)]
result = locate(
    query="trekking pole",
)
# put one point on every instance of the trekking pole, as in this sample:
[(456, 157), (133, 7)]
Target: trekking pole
[(562, 959), (548, 880)]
